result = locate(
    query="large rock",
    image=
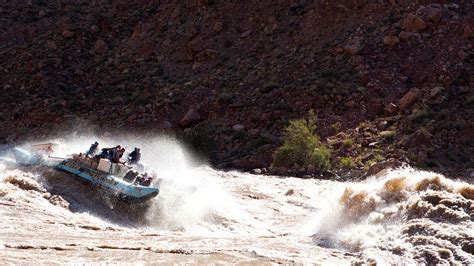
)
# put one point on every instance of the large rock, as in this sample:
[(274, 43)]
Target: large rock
[(391, 109), (387, 164), (238, 128), (100, 47), (137, 31), (356, 60), (413, 23), (433, 14), (391, 40), (435, 91), (409, 99), (52, 45), (420, 138), (190, 118), (352, 49), (468, 31), (67, 34), (405, 35), (218, 26)]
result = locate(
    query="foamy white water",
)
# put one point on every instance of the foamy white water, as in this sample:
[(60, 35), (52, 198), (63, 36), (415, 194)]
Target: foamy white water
[(403, 216)]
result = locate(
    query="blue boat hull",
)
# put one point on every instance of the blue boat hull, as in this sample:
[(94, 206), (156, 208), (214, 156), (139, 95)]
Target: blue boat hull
[(116, 186)]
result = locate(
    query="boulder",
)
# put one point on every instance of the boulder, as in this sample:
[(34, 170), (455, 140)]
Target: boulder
[(391, 109), (190, 118), (52, 45), (100, 47), (413, 23), (387, 164), (409, 99), (225, 98), (356, 60), (165, 125), (246, 34), (433, 14), (404, 35), (435, 91), (257, 171), (350, 104), (463, 55), (238, 128), (382, 125), (420, 138), (218, 26), (67, 34), (352, 49), (391, 40), (468, 32), (137, 31)]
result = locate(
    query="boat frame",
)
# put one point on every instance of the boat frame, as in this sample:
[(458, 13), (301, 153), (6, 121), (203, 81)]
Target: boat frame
[(116, 186)]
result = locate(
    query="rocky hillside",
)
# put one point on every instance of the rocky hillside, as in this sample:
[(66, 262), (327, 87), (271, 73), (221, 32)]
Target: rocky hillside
[(388, 79)]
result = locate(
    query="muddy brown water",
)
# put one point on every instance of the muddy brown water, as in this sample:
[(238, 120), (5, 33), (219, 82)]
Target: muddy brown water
[(400, 216)]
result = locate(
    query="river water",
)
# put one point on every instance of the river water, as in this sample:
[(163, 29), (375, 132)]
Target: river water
[(399, 216)]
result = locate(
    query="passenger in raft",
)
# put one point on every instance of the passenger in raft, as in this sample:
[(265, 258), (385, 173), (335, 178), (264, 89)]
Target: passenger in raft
[(117, 155), (112, 152), (143, 180), (93, 149), (104, 153), (134, 157), (130, 176)]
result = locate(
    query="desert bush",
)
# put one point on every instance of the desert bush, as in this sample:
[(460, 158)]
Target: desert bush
[(348, 142), (347, 162), (302, 146)]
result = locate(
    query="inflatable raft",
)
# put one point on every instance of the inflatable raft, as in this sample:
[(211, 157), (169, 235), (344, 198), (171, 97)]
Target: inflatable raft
[(110, 176), (118, 179)]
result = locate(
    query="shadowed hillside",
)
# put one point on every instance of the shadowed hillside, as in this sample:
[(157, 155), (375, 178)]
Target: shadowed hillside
[(388, 79)]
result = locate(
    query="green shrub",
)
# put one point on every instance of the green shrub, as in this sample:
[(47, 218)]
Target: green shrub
[(388, 135), (336, 127), (301, 146), (347, 162), (348, 142)]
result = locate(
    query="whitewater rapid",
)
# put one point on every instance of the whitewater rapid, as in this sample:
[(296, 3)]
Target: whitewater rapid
[(399, 216)]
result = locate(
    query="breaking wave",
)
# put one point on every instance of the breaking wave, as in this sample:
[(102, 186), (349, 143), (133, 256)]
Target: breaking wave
[(415, 215)]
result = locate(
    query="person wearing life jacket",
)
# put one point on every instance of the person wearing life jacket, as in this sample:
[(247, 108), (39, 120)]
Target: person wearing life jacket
[(104, 153), (143, 180), (107, 153), (135, 156), (130, 176), (112, 152), (93, 149), (146, 181), (117, 155)]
